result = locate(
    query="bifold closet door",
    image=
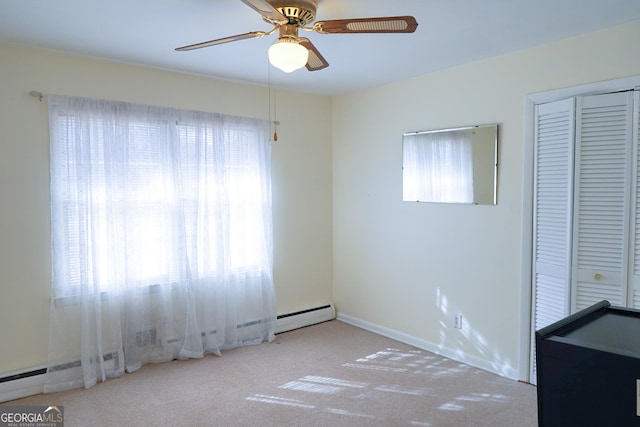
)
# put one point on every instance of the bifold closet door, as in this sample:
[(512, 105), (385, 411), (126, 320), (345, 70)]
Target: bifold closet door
[(634, 280), (586, 219), (553, 195), (603, 199)]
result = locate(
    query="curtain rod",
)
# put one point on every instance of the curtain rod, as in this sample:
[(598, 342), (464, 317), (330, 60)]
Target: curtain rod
[(41, 96)]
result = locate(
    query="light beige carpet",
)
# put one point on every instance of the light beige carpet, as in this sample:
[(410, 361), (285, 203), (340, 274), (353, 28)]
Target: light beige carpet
[(331, 374)]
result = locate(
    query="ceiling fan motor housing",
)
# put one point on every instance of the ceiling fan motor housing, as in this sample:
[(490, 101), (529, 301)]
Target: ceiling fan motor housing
[(301, 12)]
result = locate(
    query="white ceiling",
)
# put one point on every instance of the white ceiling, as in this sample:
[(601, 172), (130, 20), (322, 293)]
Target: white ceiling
[(450, 33)]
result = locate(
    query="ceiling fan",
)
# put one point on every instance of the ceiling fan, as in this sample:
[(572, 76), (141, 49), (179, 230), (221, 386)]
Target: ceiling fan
[(291, 52)]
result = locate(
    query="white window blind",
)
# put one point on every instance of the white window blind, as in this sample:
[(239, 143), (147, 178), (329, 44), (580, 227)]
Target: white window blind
[(157, 178)]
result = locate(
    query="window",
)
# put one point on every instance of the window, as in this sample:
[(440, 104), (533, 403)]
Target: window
[(139, 194), (161, 237)]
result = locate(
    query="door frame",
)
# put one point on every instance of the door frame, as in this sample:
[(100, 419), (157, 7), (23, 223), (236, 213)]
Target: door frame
[(526, 294)]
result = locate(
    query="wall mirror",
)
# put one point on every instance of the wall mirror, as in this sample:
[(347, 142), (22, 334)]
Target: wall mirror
[(457, 165)]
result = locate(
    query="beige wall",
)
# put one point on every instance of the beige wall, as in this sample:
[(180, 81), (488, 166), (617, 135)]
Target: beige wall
[(406, 268), (341, 230), (301, 180)]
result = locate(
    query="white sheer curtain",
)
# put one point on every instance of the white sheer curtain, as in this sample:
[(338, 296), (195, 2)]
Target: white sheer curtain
[(161, 237), (438, 167)]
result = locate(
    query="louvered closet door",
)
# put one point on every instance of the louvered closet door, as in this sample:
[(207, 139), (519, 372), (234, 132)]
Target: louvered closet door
[(553, 189), (554, 139), (586, 206), (603, 180), (634, 293)]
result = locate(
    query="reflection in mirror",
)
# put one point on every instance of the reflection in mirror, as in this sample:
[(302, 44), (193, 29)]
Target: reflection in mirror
[(451, 165)]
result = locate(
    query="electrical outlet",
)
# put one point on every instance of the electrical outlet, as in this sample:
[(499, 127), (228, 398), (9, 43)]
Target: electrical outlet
[(457, 321)]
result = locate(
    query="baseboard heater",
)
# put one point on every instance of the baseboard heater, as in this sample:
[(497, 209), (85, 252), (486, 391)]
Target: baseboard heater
[(31, 382), (303, 318), (28, 383)]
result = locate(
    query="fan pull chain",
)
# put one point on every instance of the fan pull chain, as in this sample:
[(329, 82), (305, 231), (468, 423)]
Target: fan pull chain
[(275, 118), (275, 122)]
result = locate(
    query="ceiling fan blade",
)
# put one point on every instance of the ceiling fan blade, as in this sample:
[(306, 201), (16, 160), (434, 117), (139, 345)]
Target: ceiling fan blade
[(251, 35), (316, 61), (268, 12), (389, 24)]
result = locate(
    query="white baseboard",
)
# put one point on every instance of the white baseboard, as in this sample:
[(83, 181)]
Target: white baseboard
[(506, 371)]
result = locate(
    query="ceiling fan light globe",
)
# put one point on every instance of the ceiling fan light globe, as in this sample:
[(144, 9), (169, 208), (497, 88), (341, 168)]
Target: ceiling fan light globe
[(288, 55)]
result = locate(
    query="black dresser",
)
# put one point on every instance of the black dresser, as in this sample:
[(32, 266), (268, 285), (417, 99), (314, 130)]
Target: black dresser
[(588, 369)]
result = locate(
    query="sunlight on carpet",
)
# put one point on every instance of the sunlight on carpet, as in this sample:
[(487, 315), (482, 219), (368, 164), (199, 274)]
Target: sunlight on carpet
[(403, 369)]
